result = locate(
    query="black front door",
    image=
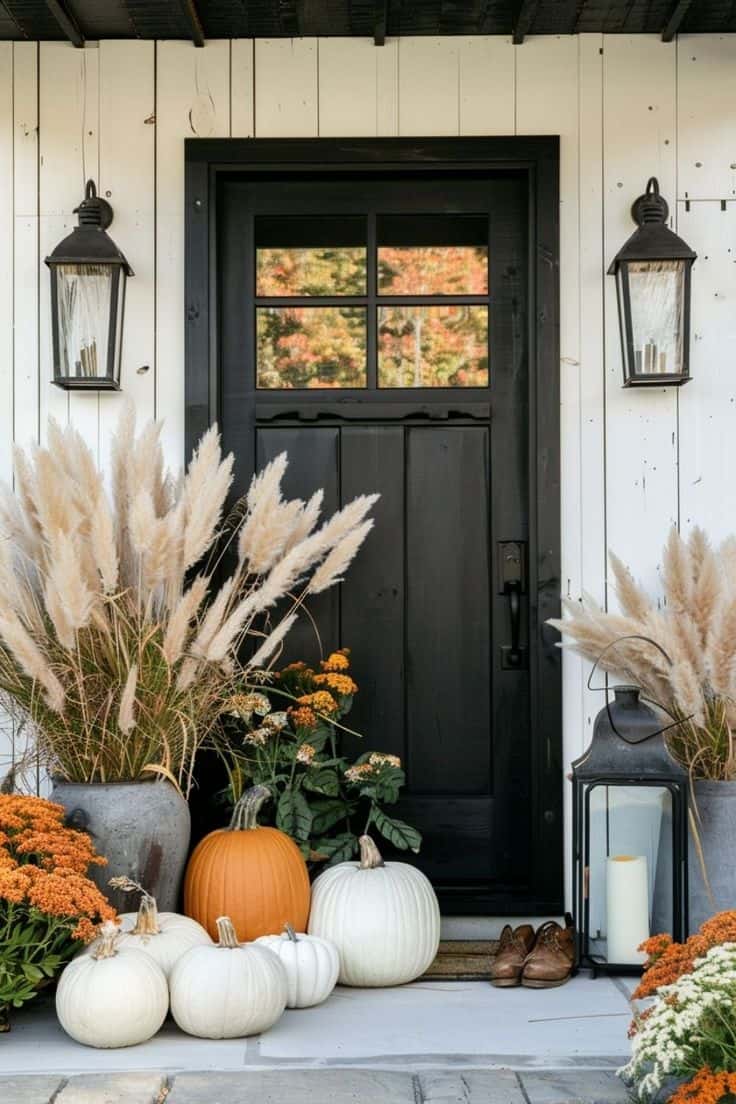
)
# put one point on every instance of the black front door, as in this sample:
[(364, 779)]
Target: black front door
[(377, 329)]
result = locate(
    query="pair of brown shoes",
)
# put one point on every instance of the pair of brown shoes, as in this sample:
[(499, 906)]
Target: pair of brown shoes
[(539, 960)]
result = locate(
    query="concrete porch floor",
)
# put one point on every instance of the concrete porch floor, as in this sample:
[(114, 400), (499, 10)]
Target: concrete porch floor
[(430, 1041)]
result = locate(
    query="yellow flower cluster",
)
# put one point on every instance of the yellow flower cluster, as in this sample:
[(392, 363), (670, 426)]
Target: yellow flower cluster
[(358, 772), (340, 684), (320, 701), (337, 661)]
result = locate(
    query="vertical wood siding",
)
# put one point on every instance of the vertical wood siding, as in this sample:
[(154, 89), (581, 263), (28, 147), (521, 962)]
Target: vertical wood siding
[(625, 108)]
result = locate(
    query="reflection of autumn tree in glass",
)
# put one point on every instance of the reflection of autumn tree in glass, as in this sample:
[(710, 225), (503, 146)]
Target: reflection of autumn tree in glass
[(433, 346), (443, 346), (311, 347), (311, 271), (433, 270)]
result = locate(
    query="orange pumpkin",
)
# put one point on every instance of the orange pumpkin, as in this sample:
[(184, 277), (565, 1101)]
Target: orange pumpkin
[(253, 874)]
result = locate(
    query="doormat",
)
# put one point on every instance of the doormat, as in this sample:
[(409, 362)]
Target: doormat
[(463, 960)]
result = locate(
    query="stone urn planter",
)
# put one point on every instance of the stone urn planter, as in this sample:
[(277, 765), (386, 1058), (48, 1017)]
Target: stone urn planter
[(716, 820), (142, 829)]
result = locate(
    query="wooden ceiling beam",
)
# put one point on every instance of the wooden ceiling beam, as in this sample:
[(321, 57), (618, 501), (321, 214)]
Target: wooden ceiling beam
[(674, 22), (68, 24), (196, 31), (524, 20)]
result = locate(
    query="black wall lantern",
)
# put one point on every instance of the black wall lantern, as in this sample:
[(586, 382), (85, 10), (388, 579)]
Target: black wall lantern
[(88, 274), (630, 819), (653, 286)]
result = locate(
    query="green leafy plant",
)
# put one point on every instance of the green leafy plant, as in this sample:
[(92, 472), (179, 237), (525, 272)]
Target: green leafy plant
[(48, 905), (284, 735)]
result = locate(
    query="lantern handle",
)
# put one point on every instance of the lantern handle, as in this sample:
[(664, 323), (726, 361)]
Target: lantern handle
[(93, 210), (652, 186), (651, 701)]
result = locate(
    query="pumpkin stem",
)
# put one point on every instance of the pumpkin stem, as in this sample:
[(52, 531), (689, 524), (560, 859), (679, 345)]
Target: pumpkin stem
[(370, 856), (226, 935), (245, 813), (108, 941), (291, 933), (147, 919), (146, 922)]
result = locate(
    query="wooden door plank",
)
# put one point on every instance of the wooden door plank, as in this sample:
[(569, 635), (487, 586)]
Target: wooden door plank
[(68, 156), (127, 178), (357, 87), (192, 101), (314, 462), (641, 424), (25, 243), (372, 604), (487, 84), (708, 404), (429, 85), (286, 88), (706, 108), (449, 740), (242, 88)]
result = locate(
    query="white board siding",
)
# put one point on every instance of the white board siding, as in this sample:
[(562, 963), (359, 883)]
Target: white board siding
[(625, 108)]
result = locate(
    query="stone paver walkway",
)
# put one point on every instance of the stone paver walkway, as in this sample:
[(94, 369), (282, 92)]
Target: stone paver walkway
[(329, 1086)]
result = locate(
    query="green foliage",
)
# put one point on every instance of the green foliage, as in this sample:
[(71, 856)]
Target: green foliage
[(320, 798)]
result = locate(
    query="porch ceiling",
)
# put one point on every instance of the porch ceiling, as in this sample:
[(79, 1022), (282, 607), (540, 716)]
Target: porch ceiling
[(78, 20)]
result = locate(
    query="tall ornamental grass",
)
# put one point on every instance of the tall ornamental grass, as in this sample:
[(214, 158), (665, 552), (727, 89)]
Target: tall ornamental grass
[(117, 645)]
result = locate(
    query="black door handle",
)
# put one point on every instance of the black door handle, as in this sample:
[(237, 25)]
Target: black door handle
[(513, 590)]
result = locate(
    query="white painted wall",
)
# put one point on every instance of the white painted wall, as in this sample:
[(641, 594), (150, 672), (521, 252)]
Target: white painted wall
[(626, 107)]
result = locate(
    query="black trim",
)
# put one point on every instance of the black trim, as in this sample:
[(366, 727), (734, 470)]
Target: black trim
[(209, 161)]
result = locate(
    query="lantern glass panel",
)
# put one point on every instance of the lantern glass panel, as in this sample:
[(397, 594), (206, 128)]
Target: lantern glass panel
[(656, 291), (87, 305), (629, 870)]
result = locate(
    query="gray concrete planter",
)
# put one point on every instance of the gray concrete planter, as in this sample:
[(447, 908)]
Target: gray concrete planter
[(716, 816), (142, 829)]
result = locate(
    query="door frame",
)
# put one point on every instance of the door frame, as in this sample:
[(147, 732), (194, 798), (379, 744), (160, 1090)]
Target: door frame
[(208, 162)]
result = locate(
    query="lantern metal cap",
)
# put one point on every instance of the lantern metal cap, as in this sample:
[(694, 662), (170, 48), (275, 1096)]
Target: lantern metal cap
[(652, 240), (89, 242)]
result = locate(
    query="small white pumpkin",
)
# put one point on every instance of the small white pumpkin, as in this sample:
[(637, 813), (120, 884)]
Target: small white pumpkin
[(108, 999), (165, 936), (383, 917), (229, 989), (312, 965)]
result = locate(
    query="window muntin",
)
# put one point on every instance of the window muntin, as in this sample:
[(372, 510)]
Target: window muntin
[(393, 301)]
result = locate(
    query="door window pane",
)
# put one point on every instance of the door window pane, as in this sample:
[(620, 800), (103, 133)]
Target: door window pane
[(432, 255), (444, 346), (311, 347), (310, 256)]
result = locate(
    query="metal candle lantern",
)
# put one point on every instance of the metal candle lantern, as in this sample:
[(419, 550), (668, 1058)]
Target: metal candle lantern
[(630, 819), (88, 275), (652, 273)]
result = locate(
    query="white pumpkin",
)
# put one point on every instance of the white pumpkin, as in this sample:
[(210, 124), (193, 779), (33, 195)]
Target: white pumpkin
[(165, 936), (229, 989), (108, 999), (312, 965), (383, 918)]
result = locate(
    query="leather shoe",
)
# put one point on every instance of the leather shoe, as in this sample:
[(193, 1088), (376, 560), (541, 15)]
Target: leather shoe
[(513, 948), (552, 957)]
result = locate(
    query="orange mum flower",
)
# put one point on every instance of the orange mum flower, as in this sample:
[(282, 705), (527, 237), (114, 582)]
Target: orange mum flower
[(668, 961), (302, 716), (706, 1087)]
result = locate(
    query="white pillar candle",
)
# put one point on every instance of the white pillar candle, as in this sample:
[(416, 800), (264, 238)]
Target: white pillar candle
[(627, 907)]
